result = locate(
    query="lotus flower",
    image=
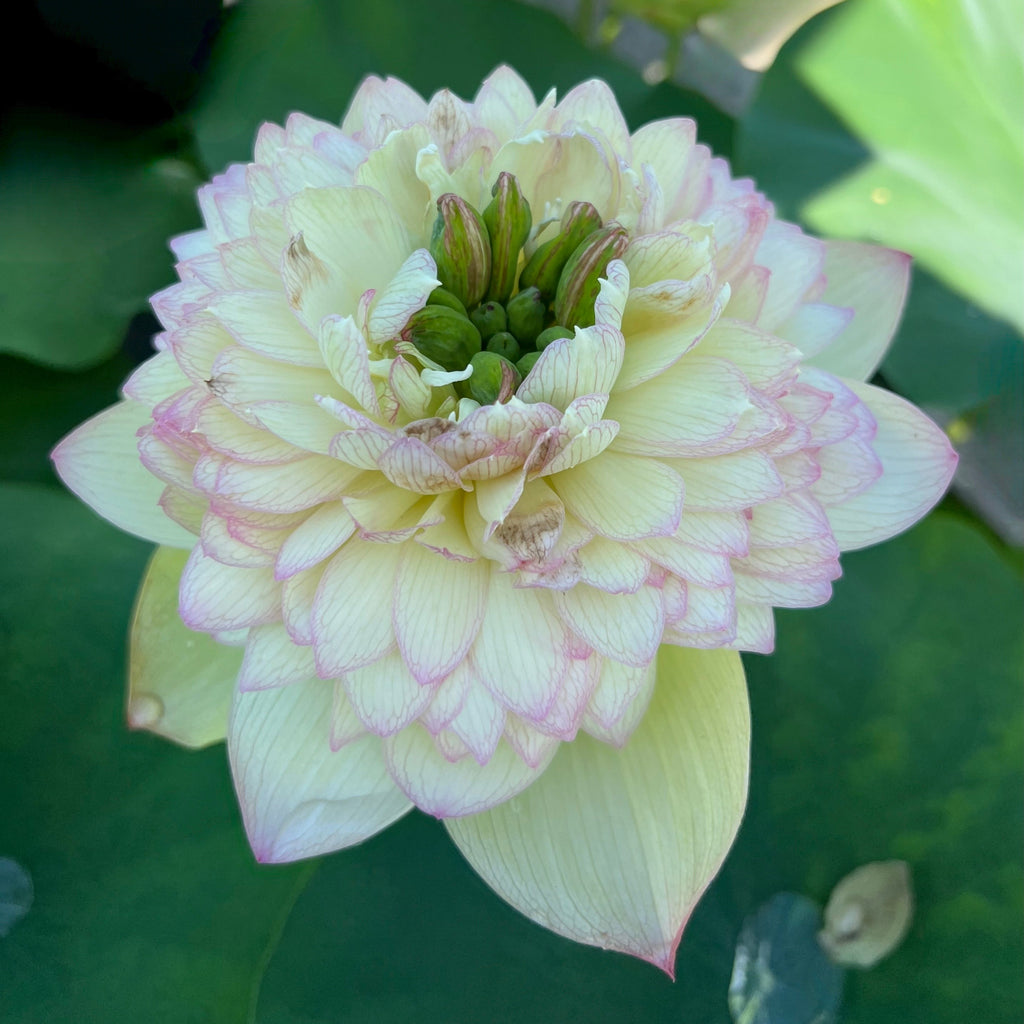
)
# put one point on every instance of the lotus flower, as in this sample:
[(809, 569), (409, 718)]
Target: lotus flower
[(461, 413)]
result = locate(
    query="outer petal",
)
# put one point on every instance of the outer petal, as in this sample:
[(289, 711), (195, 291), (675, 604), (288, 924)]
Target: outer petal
[(100, 463), (873, 282), (917, 465), (179, 682), (298, 797), (614, 847)]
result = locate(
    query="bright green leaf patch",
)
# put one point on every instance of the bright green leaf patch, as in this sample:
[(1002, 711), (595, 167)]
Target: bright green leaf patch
[(86, 216), (148, 903), (935, 93)]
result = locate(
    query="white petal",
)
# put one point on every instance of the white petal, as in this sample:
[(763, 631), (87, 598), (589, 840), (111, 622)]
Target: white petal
[(626, 627), (586, 364), (264, 322), (615, 847), (298, 797), (521, 652), (272, 659), (917, 464), (99, 462), (352, 608), (623, 497), (217, 597), (873, 282), (180, 682), (433, 638), (446, 789), (315, 539), (385, 696)]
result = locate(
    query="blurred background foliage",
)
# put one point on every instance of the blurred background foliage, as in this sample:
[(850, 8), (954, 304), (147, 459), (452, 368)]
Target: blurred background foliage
[(888, 723)]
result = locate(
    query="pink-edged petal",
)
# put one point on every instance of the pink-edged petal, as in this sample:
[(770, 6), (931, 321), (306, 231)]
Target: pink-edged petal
[(755, 628), (449, 789), (725, 482), (385, 695), (613, 567), (569, 368), (593, 103), (99, 462), (331, 222), (216, 597), (623, 497), (179, 682), (479, 723), (796, 261), (434, 638), (315, 539), (522, 666), (404, 295), (917, 465), (871, 281), (626, 627), (298, 797), (262, 321), (556, 854), (272, 659), (697, 402), (352, 608)]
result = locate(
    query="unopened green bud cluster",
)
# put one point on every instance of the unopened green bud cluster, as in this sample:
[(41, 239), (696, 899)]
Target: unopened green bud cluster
[(491, 315)]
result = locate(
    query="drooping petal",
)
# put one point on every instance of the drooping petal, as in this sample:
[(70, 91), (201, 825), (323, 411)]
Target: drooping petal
[(99, 461), (917, 464), (179, 682), (298, 797), (614, 847)]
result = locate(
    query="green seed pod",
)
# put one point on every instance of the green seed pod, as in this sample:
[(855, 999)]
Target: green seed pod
[(494, 379), (508, 221), (461, 249), (525, 363), (440, 297), (581, 279), (545, 266), (504, 344), (526, 312), (553, 333), (441, 334), (489, 319)]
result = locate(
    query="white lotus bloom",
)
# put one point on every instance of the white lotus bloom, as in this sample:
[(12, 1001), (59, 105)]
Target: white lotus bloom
[(432, 538)]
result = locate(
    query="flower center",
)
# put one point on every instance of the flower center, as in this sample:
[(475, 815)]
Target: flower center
[(503, 300)]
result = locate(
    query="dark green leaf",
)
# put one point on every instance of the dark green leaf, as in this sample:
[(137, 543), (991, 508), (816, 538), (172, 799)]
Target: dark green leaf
[(310, 55), (87, 213), (148, 904)]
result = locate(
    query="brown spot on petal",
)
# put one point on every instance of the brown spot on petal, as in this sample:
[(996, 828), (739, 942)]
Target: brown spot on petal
[(426, 430), (299, 269), (531, 537)]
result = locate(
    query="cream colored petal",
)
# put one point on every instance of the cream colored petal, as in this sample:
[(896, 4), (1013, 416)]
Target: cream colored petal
[(917, 465), (615, 847), (448, 789), (873, 282), (179, 682), (99, 462), (298, 797)]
